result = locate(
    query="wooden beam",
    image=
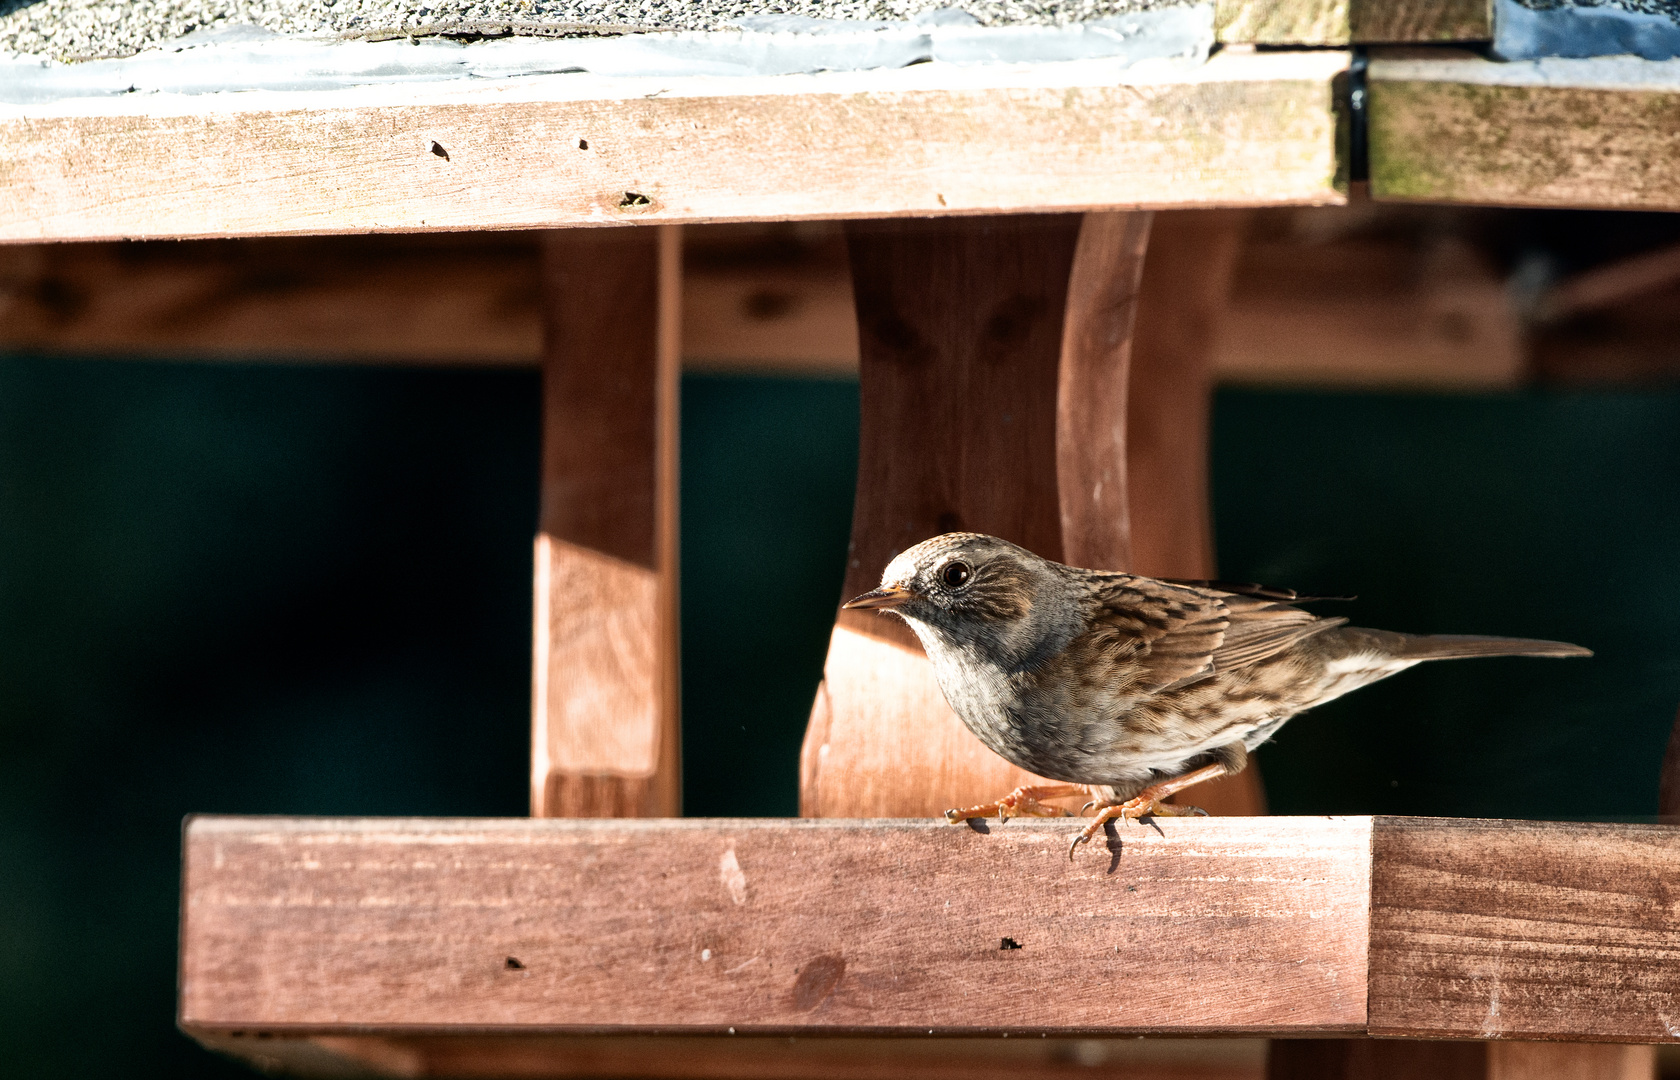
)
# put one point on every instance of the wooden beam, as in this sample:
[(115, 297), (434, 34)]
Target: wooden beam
[(961, 330), (1361, 22), (576, 149), (605, 737), (440, 926), (1524, 930), (1182, 306), (1586, 134)]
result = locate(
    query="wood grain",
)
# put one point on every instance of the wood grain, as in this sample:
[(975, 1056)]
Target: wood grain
[(1467, 130), (700, 1057), (1343, 22), (1183, 306), (605, 738), (1524, 930), (374, 926), (927, 139), (1569, 1061), (960, 327), (1092, 425), (1186, 287)]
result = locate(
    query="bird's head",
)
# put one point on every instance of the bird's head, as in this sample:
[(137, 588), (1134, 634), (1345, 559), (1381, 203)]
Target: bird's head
[(968, 589)]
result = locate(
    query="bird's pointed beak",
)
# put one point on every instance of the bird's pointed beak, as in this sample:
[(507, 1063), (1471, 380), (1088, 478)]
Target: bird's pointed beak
[(885, 597)]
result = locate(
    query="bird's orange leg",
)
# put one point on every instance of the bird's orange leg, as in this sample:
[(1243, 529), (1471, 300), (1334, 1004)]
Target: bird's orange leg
[(1023, 800), (1148, 801)]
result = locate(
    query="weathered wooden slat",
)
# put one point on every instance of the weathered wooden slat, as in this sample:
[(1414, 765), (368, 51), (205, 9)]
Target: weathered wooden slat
[(1343, 22), (1525, 930), (576, 149), (604, 737), (1589, 134), (370, 926)]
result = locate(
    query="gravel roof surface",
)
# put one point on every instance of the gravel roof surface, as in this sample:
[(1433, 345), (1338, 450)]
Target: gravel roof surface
[(85, 29), (1670, 8)]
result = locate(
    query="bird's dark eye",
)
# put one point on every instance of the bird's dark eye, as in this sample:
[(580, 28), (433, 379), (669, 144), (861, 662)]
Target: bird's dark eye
[(955, 574)]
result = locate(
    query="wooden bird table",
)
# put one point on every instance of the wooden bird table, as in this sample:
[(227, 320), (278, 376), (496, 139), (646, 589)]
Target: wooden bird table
[(1039, 253)]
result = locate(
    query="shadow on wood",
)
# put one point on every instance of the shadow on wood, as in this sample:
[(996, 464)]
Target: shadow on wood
[(604, 737)]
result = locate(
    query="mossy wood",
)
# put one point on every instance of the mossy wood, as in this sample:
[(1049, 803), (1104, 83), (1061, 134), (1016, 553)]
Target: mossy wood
[(1586, 134)]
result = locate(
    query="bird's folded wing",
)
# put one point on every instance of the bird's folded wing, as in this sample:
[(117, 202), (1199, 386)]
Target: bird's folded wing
[(1173, 629), (1261, 629), (1188, 633)]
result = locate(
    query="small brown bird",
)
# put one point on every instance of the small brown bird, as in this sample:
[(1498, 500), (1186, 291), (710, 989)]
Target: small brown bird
[(1125, 688)]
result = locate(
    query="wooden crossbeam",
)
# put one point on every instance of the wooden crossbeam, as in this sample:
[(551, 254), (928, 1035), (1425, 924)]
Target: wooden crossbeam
[(359, 926), (513, 932), (543, 151), (1588, 134)]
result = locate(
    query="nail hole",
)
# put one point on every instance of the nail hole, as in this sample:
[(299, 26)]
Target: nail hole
[(513, 964), (437, 148), (583, 144), (1009, 943)]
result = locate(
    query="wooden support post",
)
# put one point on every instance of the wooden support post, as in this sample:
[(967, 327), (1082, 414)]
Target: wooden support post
[(604, 739), (993, 357), (954, 439), (1186, 283)]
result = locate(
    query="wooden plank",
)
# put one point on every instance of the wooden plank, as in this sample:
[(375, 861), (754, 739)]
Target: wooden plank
[(1524, 930), (1570, 133), (577, 149), (755, 297), (699, 1057), (960, 324), (441, 926), (1344, 22), (605, 738), (1375, 296)]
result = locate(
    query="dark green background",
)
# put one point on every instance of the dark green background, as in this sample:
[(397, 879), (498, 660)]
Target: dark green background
[(283, 589)]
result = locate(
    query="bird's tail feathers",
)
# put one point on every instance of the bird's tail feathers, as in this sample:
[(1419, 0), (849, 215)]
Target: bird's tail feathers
[(1459, 646)]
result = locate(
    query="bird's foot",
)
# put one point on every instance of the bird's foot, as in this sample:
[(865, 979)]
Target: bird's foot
[(1145, 804), (1022, 802)]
